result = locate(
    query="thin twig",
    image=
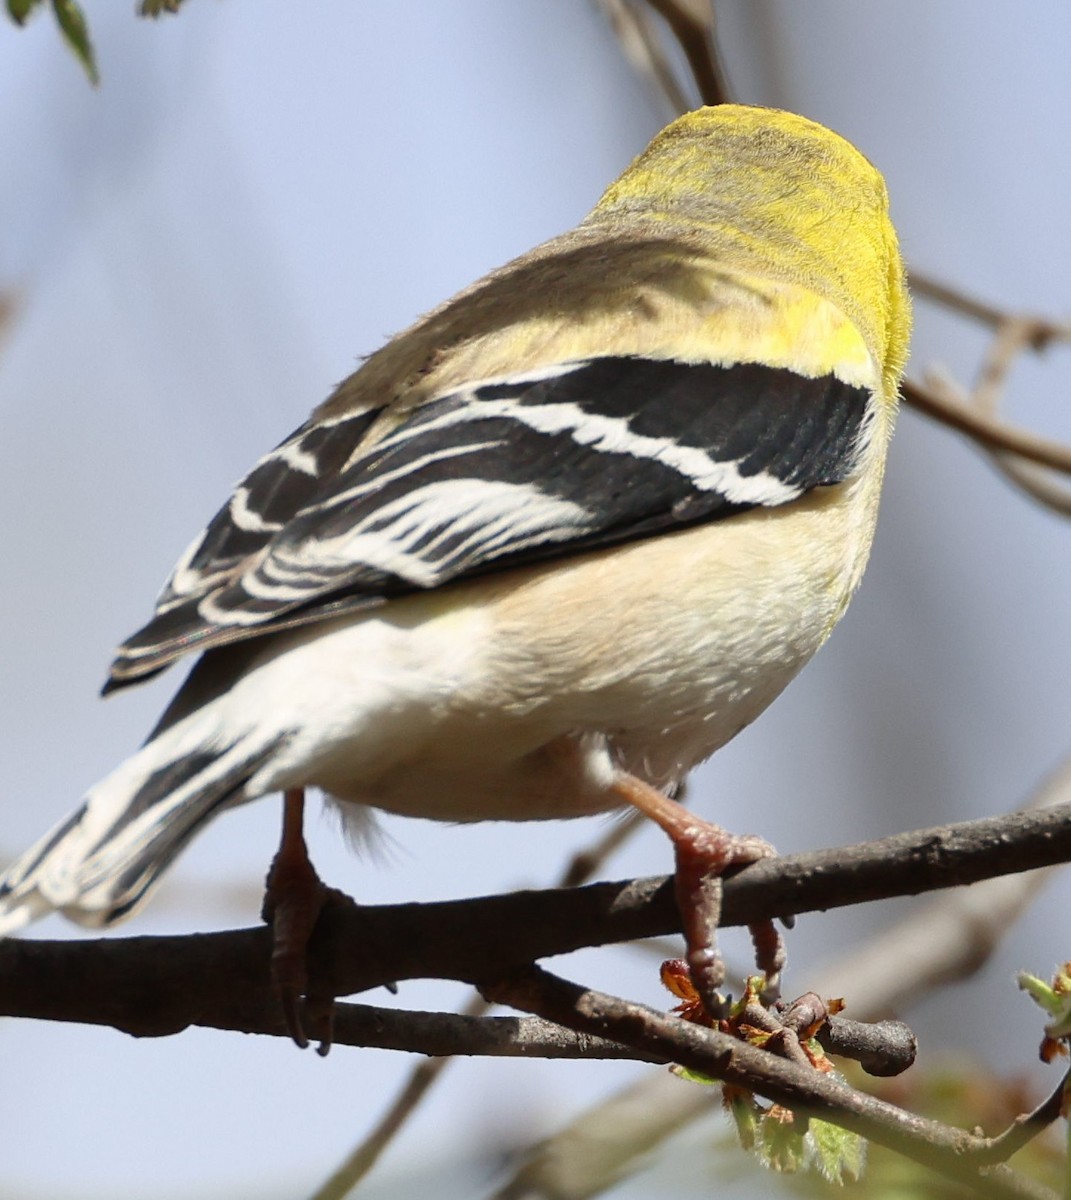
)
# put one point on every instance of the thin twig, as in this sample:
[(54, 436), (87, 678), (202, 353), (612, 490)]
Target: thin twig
[(1014, 337), (1025, 1128), (1035, 481), (967, 305), (7, 314), (581, 867), (634, 27), (369, 1150), (949, 1151), (586, 863), (994, 435), (607, 1143), (692, 24), (943, 942), (975, 411), (470, 1033)]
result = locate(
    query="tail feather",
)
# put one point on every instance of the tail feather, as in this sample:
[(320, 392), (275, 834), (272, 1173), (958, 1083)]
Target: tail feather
[(20, 904), (101, 862)]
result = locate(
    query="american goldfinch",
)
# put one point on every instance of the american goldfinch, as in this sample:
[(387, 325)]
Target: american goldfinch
[(546, 550)]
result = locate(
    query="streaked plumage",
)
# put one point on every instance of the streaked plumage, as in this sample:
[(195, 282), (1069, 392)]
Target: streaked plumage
[(587, 518)]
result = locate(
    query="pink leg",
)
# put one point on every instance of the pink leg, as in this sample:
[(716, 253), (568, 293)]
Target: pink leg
[(704, 853), (293, 900)]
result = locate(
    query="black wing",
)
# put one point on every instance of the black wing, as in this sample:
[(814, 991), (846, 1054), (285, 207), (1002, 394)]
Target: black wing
[(551, 462)]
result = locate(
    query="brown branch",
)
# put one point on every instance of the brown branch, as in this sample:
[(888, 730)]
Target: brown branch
[(445, 1035), (464, 1034), (952, 298), (469, 1033), (7, 313), (1037, 482), (1014, 336), (881, 1048), (1025, 1128), (634, 26), (992, 434), (887, 1045), (938, 943), (693, 27), (160, 985), (1017, 453), (951, 1152), (691, 23)]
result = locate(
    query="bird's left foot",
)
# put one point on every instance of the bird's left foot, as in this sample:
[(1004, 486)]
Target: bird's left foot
[(294, 898), (705, 854)]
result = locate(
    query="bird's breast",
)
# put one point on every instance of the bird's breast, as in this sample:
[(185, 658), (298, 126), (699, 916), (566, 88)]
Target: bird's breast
[(516, 697)]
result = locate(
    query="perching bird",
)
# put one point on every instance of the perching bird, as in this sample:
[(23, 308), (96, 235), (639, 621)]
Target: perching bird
[(546, 550)]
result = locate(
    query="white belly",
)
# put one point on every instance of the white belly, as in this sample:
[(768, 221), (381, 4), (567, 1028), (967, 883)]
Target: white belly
[(516, 697)]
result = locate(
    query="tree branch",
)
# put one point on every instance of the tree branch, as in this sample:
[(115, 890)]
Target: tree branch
[(939, 942), (951, 1152), (579, 869), (443, 1034), (693, 26), (153, 986)]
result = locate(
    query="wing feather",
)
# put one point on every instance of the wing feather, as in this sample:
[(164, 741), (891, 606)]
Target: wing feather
[(550, 462)]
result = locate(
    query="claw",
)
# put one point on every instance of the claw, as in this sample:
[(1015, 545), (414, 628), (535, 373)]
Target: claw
[(705, 853), (293, 900)]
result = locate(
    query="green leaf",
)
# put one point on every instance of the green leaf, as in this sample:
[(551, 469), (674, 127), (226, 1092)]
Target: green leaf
[(694, 1076), (746, 1116), (19, 10), (782, 1143), (1041, 992), (836, 1154), (72, 23), (1054, 998), (780, 1146)]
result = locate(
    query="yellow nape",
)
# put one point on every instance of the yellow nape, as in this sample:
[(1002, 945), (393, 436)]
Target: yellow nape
[(774, 194)]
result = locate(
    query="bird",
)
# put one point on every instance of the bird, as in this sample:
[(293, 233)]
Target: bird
[(543, 552)]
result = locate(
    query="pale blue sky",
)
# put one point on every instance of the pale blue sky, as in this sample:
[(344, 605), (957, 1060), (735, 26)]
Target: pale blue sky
[(261, 192)]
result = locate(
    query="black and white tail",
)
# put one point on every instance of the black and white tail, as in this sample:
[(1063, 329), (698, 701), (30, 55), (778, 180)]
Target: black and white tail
[(101, 862)]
